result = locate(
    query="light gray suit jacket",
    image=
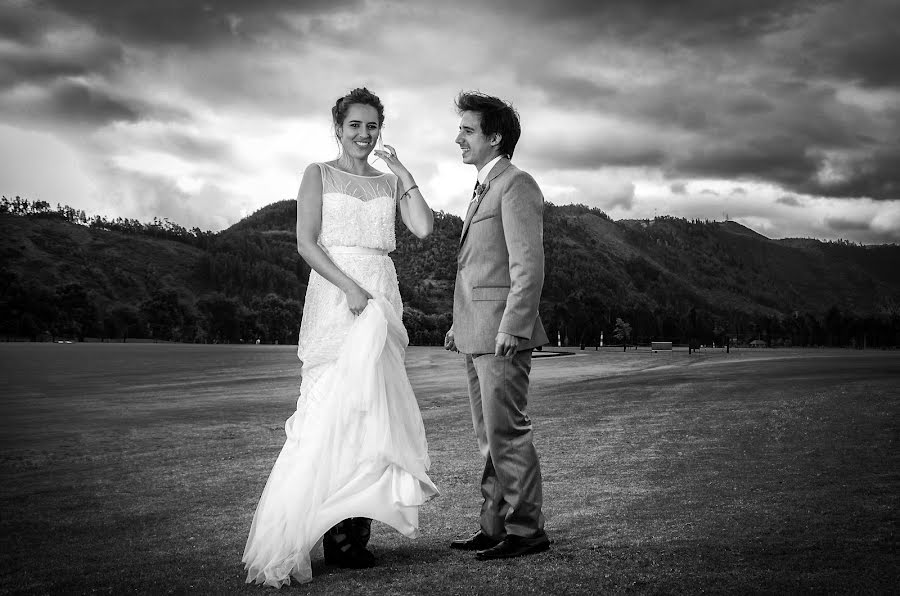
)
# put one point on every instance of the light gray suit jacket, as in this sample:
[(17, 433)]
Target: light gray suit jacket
[(500, 266)]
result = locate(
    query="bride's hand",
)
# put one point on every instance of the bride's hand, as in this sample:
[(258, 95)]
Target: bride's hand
[(357, 299), (389, 157)]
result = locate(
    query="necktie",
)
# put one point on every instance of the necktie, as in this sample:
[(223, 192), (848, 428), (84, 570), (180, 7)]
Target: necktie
[(472, 202)]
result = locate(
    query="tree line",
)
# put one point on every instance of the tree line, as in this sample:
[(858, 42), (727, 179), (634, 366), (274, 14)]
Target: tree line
[(72, 311), (158, 228), (678, 280)]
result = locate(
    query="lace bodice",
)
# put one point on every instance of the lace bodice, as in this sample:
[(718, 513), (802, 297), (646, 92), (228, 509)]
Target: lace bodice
[(357, 210)]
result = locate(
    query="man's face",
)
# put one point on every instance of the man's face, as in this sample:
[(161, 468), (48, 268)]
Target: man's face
[(477, 149)]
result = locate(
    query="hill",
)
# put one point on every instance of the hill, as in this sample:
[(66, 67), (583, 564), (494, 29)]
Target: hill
[(665, 278)]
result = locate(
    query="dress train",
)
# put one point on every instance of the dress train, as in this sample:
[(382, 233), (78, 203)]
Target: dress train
[(355, 447)]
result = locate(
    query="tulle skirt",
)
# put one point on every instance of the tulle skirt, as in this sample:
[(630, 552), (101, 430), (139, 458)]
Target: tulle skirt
[(356, 448)]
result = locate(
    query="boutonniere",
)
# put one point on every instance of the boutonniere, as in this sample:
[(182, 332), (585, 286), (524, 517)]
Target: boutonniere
[(479, 191)]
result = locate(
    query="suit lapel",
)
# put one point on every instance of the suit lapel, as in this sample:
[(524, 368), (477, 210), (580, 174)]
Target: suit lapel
[(470, 213), (498, 169)]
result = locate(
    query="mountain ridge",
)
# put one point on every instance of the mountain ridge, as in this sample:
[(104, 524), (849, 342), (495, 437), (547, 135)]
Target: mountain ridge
[(667, 277)]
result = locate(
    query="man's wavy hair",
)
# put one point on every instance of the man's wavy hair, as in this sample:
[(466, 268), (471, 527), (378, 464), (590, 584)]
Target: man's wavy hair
[(497, 116)]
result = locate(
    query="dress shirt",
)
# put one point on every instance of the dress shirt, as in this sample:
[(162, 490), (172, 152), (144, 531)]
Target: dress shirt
[(483, 172)]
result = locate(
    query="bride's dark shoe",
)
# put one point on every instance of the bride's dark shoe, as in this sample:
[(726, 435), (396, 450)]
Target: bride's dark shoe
[(360, 530), (342, 546)]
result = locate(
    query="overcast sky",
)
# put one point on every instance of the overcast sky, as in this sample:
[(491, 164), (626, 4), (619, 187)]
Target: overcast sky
[(781, 115)]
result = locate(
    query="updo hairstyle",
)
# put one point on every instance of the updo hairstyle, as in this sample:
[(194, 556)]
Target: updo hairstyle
[(360, 95)]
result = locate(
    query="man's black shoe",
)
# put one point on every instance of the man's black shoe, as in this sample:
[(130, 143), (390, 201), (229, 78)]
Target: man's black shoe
[(477, 541), (515, 546)]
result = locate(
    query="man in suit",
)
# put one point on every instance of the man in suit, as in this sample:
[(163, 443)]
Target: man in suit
[(500, 274)]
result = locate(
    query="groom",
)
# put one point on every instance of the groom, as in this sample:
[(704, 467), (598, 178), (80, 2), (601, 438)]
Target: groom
[(500, 273)]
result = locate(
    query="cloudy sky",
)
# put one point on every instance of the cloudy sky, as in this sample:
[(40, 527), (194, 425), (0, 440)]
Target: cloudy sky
[(783, 115)]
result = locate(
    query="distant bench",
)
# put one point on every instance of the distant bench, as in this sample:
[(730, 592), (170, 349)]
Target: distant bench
[(656, 346)]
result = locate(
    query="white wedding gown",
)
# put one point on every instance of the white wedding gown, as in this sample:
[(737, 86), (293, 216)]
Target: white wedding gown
[(356, 444)]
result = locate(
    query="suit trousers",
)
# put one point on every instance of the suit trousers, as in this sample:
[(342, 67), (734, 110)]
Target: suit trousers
[(511, 482)]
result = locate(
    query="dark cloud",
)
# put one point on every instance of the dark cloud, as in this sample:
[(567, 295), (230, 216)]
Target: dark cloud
[(687, 22), (13, 26), (71, 54), (673, 104), (708, 191), (15, 70), (846, 224), (778, 158), (42, 49), (192, 22), (82, 104), (874, 174), (873, 60), (23, 23), (788, 200), (569, 90), (749, 104), (42, 65), (776, 131), (754, 83), (787, 92), (41, 46), (808, 135), (672, 101), (590, 155), (71, 105), (192, 145), (59, 66), (855, 41), (754, 106), (738, 191)]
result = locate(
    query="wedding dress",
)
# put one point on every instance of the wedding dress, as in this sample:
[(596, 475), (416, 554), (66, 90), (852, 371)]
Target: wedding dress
[(356, 443)]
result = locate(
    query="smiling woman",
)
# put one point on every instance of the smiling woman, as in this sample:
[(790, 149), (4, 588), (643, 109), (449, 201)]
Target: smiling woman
[(356, 447), (358, 118)]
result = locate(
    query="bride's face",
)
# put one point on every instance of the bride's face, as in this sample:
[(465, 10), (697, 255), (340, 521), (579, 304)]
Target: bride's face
[(360, 131)]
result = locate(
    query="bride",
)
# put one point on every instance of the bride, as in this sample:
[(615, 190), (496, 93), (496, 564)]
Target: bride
[(355, 448)]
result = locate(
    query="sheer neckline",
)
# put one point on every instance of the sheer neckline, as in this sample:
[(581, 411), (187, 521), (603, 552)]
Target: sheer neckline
[(351, 174)]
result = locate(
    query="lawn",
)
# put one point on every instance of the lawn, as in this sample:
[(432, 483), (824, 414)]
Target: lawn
[(136, 469)]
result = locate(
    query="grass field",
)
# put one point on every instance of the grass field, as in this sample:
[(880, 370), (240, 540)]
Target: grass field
[(136, 469)]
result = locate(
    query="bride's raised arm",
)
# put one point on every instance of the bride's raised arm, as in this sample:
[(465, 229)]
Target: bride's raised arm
[(414, 211)]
